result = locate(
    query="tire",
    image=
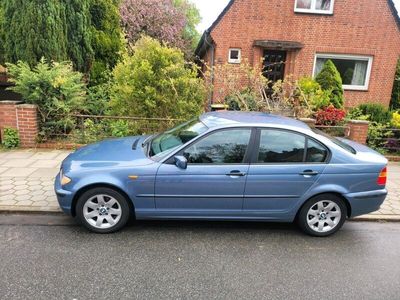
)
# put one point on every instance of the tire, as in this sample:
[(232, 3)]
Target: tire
[(102, 210), (322, 215)]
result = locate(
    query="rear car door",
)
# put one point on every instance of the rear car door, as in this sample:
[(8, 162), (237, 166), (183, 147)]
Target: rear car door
[(284, 167), (214, 181)]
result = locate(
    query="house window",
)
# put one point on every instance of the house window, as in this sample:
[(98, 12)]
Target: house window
[(354, 70), (235, 56), (314, 6)]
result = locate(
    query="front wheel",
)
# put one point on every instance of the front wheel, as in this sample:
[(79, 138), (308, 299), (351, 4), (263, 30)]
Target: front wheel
[(102, 210), (322, 215)]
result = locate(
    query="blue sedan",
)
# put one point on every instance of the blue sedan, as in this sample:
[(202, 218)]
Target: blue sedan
[(224, 166)]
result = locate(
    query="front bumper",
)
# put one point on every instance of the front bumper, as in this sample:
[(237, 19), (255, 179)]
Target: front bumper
[(64, 197), (363, 203)]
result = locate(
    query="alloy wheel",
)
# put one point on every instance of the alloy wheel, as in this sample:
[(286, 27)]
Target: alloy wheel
[(102, 211), (324, 216)]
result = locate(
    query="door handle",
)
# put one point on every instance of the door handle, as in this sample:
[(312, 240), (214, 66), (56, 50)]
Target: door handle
[(309, 173), (236, 174)]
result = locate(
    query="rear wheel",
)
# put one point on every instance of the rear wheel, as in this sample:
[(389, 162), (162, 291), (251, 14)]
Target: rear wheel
[(322, 215), (103, 210)]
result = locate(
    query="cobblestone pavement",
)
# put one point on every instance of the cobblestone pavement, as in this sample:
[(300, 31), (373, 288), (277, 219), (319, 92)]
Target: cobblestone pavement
[(26, 183)]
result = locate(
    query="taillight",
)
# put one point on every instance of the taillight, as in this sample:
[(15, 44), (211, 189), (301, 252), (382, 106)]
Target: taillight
[(382, 177)]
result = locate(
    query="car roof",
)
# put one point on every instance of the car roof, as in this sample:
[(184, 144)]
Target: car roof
[(228, 118)]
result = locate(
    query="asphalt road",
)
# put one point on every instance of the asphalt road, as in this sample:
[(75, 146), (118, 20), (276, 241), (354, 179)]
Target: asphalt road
[(195, 260)]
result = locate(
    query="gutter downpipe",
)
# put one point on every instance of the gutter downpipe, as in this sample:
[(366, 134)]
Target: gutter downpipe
[(211, 93)]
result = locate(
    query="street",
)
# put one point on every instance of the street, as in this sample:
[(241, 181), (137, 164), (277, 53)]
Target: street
[(196, 260)]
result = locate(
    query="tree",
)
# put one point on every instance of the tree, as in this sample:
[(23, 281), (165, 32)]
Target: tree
[(32, 30), (190, 34), (55, 30), (106, 37), (79, 48), (169, 21), (330, 80), (395, 102), (156, 82)]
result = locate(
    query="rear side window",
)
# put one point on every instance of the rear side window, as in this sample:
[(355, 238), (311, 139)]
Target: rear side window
[(281, 146), (316, 153), (336, 141), (278, 146)]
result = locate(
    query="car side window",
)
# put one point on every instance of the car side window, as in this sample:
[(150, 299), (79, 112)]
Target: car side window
[(316, 153), (222, 147), (279, 146)]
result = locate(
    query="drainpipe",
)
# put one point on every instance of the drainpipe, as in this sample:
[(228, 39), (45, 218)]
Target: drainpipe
[(212, 48)]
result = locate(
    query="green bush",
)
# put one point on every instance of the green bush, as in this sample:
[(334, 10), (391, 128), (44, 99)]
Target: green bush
[(55, 88), (10, 138), (330, 80), (376, 113), (155, 81), (378, 135), (313, 94)]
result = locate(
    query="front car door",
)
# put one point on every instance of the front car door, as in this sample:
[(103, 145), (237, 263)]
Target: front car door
[(214, 181), (283, 169)]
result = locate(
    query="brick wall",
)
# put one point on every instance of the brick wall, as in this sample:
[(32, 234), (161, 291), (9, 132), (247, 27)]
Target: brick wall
[(23, 117), (358, 131), (362, 27)]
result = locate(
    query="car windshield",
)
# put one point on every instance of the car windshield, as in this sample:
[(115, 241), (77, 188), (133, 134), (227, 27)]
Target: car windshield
[(336, 141), (164, 143)]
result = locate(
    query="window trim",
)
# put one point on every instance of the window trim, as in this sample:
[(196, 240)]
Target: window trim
[(349, 87), (256, 150), (312, 10), (235, 61), (247, 156)]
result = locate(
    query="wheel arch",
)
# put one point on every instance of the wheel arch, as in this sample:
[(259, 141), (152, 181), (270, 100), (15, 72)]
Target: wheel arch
[(86, 188), (346, 202)]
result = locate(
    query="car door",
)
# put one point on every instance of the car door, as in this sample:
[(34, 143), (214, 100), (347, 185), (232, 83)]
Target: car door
[(214, 181), (284, 167)]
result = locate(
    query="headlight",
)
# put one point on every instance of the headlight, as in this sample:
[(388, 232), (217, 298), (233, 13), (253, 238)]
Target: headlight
[(64, 179)]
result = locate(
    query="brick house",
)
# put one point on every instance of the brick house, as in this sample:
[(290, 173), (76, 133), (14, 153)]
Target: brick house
[(296, 37)]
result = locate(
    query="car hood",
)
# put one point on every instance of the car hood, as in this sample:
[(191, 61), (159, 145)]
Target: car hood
[(107, 154)]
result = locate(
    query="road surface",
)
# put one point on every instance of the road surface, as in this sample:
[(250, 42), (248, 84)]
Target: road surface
[(196, 260)]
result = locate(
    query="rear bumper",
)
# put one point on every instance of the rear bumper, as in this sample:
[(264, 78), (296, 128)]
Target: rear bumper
[(366, 202), (64, 197)]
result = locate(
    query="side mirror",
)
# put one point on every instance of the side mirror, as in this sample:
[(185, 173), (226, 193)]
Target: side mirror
[(181, 162)]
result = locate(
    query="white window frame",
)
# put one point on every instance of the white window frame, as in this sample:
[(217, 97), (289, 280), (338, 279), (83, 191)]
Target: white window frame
[(370, 60), (235, 61), (312, 10)]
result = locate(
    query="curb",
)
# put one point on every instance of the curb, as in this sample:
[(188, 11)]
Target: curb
[(377, 218)]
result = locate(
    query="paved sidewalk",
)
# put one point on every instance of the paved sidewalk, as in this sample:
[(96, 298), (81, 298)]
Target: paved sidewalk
[(26, 183)]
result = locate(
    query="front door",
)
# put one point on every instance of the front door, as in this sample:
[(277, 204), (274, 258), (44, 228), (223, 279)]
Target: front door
[(214, 181), (286, 167), (274, 65)]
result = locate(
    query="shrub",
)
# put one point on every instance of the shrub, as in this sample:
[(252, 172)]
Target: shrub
[(330, 80), (10, 138), (313, 94), (155, 81), (55, 88), (357, 114), (378, 135), (376, 112), (396, 120), (330, 116)]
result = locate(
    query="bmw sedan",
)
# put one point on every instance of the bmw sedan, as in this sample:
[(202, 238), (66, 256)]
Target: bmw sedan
[(224, 166)]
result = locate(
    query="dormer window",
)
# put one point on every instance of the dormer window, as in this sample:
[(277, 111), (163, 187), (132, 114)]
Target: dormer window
[(314, 6), (235, 56)]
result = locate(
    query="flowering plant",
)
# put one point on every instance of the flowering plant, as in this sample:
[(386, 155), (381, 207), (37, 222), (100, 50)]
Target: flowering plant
[(330, 116)]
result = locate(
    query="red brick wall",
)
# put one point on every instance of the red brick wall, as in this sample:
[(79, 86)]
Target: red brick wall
[(23, 117), (363, 27), (358, 131)]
